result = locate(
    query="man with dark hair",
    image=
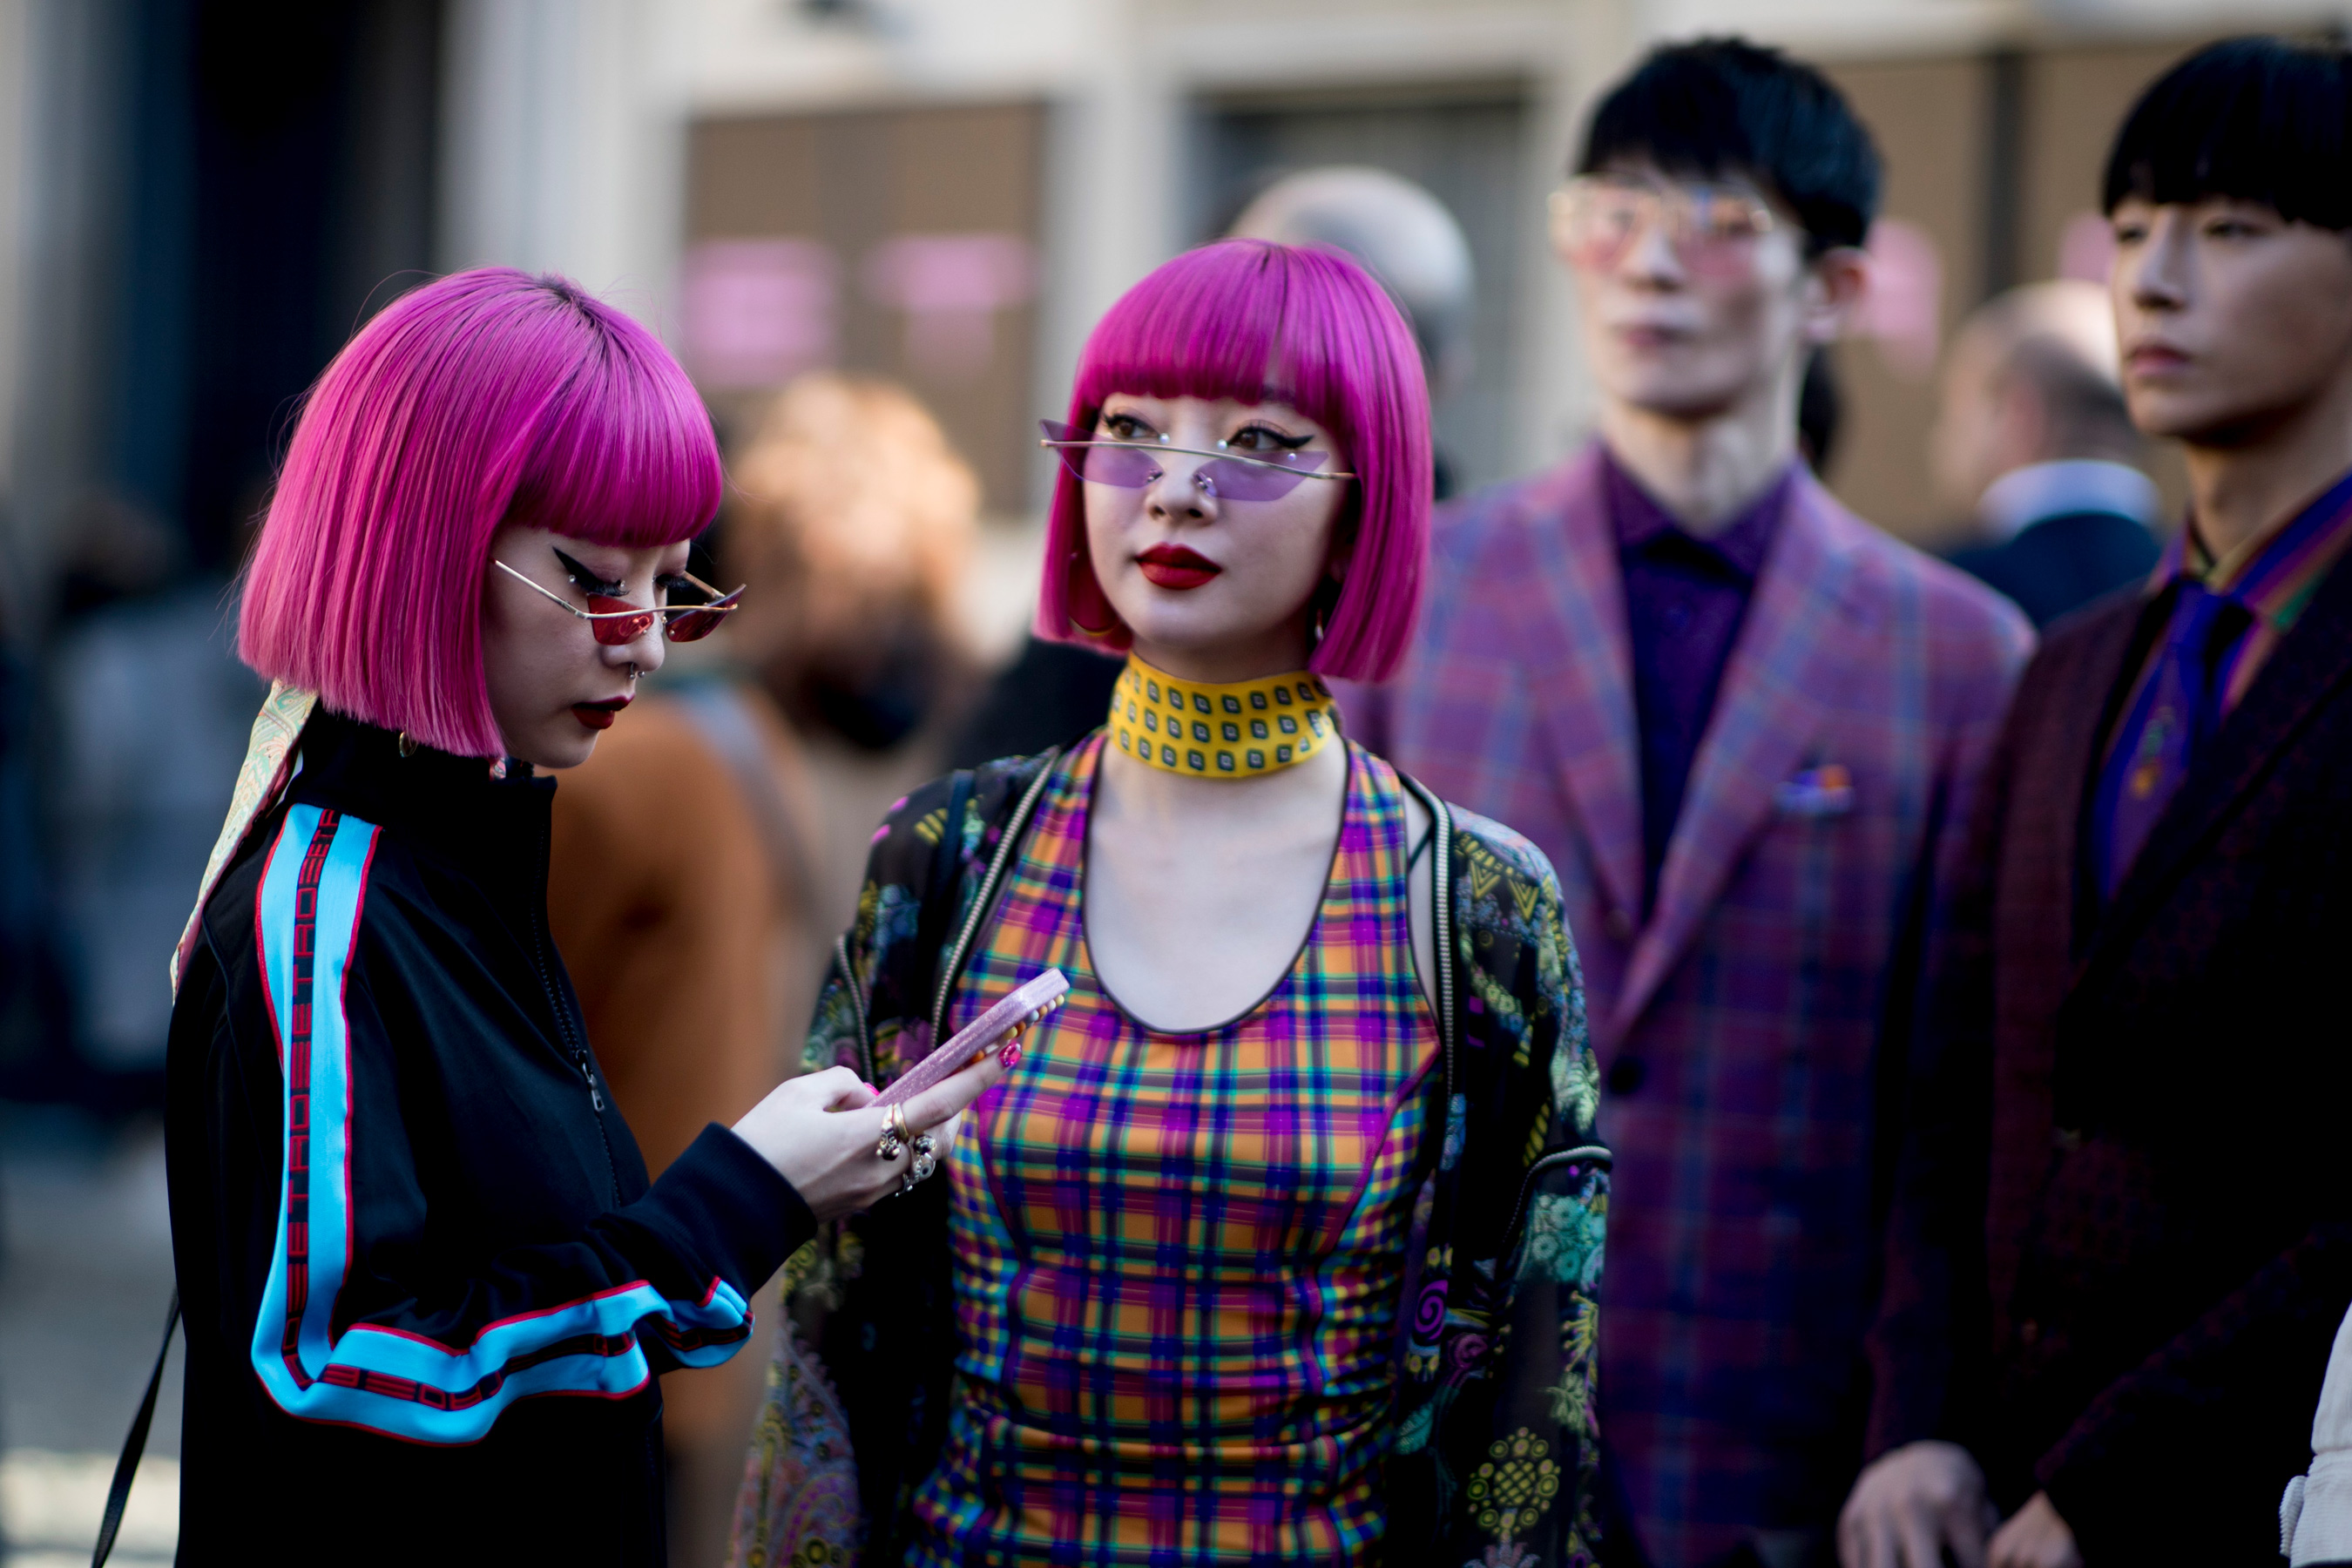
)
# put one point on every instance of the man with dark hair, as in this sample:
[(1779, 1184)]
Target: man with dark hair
[(2122, 1233), (1742, 723), (2032, 436)]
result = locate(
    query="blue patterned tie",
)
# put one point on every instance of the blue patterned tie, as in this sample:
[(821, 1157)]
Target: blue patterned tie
[(2178, 710)]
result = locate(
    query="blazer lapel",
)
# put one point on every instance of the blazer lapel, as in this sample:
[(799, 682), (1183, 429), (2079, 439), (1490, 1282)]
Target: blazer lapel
[(1572, 641), (2308, 664), (1766, 716)]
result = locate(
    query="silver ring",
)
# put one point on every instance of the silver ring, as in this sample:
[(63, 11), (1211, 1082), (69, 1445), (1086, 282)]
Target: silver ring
[(926, 1162)]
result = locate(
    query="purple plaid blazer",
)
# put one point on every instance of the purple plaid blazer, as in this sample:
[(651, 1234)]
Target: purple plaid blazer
[(1742, 1025)]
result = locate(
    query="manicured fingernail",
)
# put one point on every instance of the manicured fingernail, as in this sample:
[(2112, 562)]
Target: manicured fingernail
[(1010, 1054)]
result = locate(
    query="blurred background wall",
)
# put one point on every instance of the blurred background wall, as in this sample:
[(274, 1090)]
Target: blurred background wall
[(202, 197)]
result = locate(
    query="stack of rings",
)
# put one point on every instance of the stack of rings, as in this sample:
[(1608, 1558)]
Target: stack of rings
[(897, 1138), (926, 1162)]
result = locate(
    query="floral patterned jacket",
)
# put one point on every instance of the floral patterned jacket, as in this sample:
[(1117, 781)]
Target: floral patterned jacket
[(1497, 1446)]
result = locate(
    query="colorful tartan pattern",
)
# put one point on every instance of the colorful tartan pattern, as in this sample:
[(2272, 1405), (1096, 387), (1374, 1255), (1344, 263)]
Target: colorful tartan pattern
[(1180, 1256), (1745, 1017)]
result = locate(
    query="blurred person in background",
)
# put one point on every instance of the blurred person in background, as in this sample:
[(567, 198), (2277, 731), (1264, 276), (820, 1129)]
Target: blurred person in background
[(1054, 691), (1231, 1270), (854, 522), (683, 889), (2123, 1237), (2033, 440), (147, 712), (1742, 722), (677, 894), (426, 1277)]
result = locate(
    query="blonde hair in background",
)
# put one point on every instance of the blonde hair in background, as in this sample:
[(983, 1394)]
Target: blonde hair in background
[(853, 522)]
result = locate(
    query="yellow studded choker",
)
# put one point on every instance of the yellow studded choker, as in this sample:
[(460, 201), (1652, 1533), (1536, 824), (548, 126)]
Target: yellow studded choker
[(1231, 729)]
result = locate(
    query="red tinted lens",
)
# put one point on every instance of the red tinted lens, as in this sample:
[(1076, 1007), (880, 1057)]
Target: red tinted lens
[(629, 623), (698, 621)]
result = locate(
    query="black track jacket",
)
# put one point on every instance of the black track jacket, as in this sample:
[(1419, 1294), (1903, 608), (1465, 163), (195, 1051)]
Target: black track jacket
[(427, 1286)]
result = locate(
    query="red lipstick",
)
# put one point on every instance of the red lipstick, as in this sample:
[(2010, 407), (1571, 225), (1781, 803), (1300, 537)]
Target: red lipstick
[(1173, 567), (599, 715)]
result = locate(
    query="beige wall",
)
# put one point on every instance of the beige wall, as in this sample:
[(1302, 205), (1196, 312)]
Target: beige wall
[(855, 178)]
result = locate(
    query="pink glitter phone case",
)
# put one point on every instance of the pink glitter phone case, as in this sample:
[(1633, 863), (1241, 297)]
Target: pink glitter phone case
[(1034, 999)]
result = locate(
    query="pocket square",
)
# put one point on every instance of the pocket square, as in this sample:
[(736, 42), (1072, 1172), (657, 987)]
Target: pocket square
[(1825, 791)]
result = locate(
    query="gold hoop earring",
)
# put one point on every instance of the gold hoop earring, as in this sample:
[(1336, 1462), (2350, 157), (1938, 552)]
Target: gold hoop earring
[(1070, 600)]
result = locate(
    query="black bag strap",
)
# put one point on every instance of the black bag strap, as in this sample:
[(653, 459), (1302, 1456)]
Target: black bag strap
[(126, 1468)]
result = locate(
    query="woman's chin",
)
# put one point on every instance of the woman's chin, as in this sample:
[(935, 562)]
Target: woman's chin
[(563, 742)]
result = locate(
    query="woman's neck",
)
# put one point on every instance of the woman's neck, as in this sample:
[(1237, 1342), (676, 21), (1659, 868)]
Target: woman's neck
[(1277, 652), (1153, 800)]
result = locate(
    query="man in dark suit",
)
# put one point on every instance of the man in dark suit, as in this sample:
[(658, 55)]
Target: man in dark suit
[(2122, 1238), (2034, 437)]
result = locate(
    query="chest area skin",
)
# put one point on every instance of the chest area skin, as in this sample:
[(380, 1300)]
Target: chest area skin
[(1198, 895)]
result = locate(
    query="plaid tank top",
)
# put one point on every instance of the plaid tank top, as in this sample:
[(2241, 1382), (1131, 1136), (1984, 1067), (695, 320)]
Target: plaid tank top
[(1178, 1256)]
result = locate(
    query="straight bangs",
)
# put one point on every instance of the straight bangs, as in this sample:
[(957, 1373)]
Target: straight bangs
[(626, 455), (486, 397), (1261, 322), (2260, 119)]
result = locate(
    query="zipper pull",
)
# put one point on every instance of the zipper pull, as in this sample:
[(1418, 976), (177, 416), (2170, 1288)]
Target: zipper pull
[(588, 1071)]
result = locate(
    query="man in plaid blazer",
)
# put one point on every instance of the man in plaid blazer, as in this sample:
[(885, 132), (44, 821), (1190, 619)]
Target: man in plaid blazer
[(1745, 727)]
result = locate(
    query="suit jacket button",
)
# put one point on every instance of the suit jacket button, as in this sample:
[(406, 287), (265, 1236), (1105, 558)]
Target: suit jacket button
[(1626, 1073), (1619, 925)]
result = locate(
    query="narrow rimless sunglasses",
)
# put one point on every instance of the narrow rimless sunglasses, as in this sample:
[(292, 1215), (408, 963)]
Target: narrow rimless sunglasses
[(617, 621), (1230, 474), (1713, 228)]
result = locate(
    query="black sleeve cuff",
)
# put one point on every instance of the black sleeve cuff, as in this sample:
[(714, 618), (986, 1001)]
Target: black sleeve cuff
[(730, 1208)]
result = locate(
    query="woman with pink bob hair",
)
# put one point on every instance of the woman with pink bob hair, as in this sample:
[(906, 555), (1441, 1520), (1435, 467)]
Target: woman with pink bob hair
[(427, 1285), (1280, 1246)]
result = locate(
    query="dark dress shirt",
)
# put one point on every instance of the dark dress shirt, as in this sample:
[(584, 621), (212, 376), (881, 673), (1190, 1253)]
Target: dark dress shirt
[(1684, 598)]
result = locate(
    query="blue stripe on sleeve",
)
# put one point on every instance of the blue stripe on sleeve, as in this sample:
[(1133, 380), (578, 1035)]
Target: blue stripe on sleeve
[(387, 1380)]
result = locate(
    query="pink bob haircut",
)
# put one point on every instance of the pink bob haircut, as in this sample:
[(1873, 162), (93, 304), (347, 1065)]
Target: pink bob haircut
[(1262, 323), (485, 396)]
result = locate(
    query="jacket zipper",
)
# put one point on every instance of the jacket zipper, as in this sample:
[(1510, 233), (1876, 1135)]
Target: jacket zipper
[(572, 1039)]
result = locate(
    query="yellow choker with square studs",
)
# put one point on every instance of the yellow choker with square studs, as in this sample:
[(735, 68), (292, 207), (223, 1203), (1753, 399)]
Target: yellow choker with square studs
[(1223, 729)]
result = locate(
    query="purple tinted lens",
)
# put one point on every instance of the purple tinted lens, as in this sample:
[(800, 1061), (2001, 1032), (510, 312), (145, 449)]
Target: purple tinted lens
[(1133, 468), (1237, 480)]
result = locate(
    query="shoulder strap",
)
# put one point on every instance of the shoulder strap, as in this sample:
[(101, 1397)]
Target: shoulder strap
[(950, 963), (126, 1467), (943, 887), (1443, 911)]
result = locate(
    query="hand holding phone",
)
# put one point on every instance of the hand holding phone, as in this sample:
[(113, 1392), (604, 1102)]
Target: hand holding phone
[(1032, 1001)]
